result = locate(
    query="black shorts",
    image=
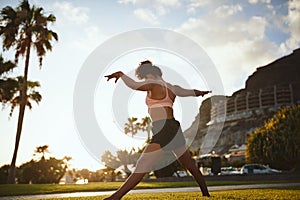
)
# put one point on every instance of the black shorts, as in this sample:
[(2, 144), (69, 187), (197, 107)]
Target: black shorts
[(168, 134)]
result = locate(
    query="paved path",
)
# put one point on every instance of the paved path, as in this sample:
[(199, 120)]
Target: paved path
[(182, 189)]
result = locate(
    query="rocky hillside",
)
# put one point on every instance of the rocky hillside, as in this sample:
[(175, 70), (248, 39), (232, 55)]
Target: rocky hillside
[(268, 89)]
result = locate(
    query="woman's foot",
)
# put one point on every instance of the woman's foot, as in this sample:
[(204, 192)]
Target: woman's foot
[(206, 195), (109, 198)]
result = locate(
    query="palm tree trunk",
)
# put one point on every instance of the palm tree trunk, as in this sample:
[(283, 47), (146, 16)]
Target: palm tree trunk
[(12, 171)]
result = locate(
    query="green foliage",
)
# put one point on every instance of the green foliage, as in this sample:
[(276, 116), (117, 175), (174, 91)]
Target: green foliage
[(91, 176), (133, 126), (123, 159), (43, 171), (171, 165), (5, 66), (8, 86), (277, 142), (4, 174), (26, 26), (32, 94), (41, 151), (168, 170), (23, 28)]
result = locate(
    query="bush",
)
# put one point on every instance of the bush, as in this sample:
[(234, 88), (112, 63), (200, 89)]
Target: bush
[(43, 171), (277, 142), (4, 174)]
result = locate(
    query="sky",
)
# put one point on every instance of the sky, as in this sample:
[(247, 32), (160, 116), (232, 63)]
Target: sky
[(237, 36)]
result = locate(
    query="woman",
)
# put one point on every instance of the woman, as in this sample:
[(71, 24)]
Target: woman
[(167, 134)]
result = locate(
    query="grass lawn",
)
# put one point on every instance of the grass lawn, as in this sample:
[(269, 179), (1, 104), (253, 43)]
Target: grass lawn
[(253, 194), (27, 189)]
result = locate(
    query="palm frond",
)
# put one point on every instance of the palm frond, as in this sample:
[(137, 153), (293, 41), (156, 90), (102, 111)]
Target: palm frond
[(6, 66), (25, 27)]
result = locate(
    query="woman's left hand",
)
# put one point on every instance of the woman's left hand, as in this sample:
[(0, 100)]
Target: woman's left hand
[(201, 93)]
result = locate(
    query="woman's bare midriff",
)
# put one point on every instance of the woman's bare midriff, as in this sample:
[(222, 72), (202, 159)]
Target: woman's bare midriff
[(160, 113)]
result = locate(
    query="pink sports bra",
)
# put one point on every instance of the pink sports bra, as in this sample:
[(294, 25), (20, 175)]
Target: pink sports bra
[(156, 103)]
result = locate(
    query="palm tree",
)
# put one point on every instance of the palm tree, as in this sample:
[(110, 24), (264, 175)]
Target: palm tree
[(132, 126), (146, 126), (10, 87), (23, 28), (31, 96), (41, 150), (7, 85)]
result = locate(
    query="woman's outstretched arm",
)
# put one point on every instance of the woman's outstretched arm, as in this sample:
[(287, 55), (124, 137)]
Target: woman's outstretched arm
[(143, 86), (179, 91)]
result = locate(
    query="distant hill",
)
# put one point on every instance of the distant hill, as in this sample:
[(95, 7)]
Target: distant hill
[(285, 70), (268, 89)]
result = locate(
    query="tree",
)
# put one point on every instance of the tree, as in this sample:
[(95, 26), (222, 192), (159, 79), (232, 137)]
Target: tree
[(4, 174), (8, 86), (110, 160), (32, 94), (126, 158), (170, 163), (84, 173), (43, 170), (132, 126), (145, 125), (277, 142), (97, 176), (41, 150), (21, 29), (123, 158)]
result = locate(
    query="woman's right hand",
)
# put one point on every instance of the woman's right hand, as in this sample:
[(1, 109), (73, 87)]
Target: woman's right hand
[(115, 75)]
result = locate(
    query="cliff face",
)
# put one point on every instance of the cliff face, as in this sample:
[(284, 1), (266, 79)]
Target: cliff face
[(285, 70), (268, 89)]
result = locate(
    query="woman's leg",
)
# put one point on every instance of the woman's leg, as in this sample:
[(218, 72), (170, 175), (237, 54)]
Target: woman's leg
[(151, 153), (185, 159)]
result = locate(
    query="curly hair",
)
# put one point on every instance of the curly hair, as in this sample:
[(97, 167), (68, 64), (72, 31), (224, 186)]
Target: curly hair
[(146, 67)]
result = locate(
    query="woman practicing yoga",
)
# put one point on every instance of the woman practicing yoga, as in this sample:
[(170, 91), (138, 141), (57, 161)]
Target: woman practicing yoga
[(167, 133)]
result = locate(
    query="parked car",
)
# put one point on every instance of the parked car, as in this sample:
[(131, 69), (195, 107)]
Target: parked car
[(258, 169), (180, 174), (229, 171)]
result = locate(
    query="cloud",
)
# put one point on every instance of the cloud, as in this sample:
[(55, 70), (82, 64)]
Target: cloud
[(74, 14), (150, 10), (226, 10), (236, 45), (293, 22), (262, 1), (194, 4), (76, 28), (253, 1), (213, 31), (170, 3), (92, 36), (146, 15)]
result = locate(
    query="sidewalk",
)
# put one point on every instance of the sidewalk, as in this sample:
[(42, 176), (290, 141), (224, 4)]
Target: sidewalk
[(182, 189)]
